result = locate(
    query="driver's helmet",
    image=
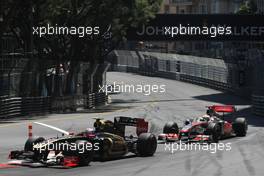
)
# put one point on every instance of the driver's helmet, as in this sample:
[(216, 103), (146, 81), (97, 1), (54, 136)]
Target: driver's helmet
[(201, 119), (206, 117), (210, 112), (90, 130), (99, 124), (187, 122)]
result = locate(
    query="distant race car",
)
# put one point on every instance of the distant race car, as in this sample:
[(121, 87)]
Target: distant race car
[(218, 123), (107, 141)]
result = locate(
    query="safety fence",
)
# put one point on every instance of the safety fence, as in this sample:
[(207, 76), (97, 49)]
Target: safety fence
[(208, 72), (22, 106)]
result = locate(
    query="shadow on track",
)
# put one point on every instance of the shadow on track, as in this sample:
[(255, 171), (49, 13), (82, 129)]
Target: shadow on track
[(100, 109), (224, 98), (229, 99), (120, 101), (251, 118)]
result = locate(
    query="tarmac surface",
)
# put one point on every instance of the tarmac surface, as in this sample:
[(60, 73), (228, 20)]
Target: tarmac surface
[(180, 101)]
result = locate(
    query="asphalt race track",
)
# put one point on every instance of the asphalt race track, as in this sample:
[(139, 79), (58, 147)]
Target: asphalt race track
[(181, 101)]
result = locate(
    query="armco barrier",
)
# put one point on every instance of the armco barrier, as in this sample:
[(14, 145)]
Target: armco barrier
[(35, 105), (22, 106), (10, 107), (258, 104), (213, 73), (17, 106), (96, 99), (206, 82), (72, 103), (90, 101), (100, 99)]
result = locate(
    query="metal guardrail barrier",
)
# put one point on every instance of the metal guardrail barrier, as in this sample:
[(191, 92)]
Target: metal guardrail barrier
[(90, 101), (35, 105), (10, 107), (206, 82), (96, 99), (17, 106), (100, 99), (72, 103), (21, 106), (258, 104), (62, 104), (205, 72)]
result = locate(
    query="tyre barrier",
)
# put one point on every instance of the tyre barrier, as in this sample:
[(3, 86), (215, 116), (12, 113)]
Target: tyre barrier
[(258, 104)]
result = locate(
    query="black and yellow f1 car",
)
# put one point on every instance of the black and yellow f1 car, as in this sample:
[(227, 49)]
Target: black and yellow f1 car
[(106, 141)]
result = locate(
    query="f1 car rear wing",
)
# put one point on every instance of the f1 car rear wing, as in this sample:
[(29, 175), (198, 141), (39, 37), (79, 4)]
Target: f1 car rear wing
[(141, 124), (223, 108)]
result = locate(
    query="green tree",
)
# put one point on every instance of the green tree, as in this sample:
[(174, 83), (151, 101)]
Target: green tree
[(248, 7), (116, 15)]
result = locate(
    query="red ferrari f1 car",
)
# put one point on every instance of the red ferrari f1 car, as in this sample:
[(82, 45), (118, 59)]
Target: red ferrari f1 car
[(218, 123)]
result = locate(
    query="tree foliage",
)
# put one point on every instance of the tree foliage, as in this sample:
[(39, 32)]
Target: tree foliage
[(112, 16), (119, 14), (247, 8)]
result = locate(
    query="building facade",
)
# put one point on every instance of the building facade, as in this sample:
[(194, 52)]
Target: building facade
[(219, 49), (203, 48), (260, 6)]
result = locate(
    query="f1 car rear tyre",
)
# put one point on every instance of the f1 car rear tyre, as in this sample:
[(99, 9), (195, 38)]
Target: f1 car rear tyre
[(146, 144), (32, 141), (240, 126), (85, 156), (107, 145), (214, 130), (171, 127)]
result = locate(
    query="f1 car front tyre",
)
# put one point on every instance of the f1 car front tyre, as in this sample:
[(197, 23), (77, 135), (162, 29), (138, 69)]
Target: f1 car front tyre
[(37, 155), (146, 144), (85, 156), (240, 126), (214, 130), (171, 127), (31, 142)]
